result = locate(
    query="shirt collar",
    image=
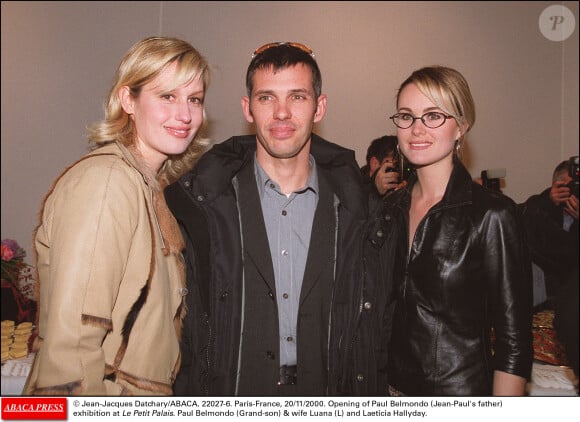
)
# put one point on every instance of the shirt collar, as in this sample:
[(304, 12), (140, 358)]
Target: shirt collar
[(264, 180)]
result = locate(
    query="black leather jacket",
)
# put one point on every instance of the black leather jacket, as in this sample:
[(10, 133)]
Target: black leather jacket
[(209, 205), (467, 272)]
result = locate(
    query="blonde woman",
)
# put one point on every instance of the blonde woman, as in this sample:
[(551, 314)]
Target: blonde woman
[(111, 277), (461, 270)]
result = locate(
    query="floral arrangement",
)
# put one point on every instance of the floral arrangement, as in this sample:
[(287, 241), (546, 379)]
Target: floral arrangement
[(13, 265), (18, 290)]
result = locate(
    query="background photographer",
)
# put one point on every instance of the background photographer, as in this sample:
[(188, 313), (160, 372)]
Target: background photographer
[(382, 173), (551, 224)]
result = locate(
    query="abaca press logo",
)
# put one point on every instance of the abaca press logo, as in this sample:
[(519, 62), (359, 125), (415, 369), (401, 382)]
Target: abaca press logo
[(20, 408)]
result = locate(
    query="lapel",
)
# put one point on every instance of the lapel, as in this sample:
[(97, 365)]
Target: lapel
[(322, 244), (254, 233)]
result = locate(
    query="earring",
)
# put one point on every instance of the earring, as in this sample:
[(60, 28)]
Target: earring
[(458, 146)]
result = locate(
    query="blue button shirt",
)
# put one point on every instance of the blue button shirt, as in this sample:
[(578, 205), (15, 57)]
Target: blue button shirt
[(288, 221)]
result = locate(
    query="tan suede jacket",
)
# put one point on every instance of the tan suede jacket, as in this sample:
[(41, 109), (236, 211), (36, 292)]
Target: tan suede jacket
[(110, 282)]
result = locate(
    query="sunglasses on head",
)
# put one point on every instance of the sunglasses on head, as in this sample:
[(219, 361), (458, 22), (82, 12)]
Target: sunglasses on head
[(297, 45)]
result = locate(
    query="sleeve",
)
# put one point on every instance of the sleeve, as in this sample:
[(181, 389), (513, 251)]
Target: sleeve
[(509, 273), (184, 384), (88, 223), (192, 378)]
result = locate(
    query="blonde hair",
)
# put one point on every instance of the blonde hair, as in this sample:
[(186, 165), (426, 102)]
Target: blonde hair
[(140, 65), (448, 90)]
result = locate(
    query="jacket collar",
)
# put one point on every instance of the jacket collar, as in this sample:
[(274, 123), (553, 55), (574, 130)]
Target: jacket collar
[(133, 158), (458, 191), (215, 170), (460, 185)]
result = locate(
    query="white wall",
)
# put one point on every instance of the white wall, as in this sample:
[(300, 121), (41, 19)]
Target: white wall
[(58, 59)]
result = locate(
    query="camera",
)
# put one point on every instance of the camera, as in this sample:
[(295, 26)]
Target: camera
[(405, 170), (393, 170), (573, 172), (408, 170), (491, 178)]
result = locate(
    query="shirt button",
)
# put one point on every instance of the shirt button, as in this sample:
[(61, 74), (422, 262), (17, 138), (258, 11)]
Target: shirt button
[(284, 212), (284, 252), (272, 186), (379, 233), (368, 305), (360, 377), (285, 295), (289, 338)]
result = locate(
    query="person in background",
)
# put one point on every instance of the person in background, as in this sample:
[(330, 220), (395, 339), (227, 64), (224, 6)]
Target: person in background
[(551, 223), (567, 318), (461, 268), (381, 173), (111, 276), (279, 292)]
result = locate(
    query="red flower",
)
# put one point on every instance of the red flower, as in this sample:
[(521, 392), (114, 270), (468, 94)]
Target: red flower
[(7, 253), (12, 260)]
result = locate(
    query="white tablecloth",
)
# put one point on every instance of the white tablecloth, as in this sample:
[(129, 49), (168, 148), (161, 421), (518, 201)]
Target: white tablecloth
[(547, 380), (552, 380), (14, 373)]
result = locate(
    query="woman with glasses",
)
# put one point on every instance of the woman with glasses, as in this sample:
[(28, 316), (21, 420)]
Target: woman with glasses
[(462, 323)]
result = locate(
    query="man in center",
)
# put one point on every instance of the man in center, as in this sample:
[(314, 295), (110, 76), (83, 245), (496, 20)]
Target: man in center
[(275, 223)]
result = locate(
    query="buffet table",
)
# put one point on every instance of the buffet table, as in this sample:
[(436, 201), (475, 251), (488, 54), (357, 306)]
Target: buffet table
[(14, 373), (552, 380), (547, 380)]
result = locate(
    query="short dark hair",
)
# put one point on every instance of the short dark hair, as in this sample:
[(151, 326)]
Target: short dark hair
[(280, 57), (381, 147), (562, 168)]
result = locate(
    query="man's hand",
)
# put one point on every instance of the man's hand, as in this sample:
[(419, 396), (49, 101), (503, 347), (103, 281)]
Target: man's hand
[(387, 181), (571, 207), (560, 192)]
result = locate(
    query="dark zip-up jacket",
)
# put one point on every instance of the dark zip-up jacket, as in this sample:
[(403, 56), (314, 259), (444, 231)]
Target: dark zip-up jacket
[(467, 272), (552, 248), (341, 335)]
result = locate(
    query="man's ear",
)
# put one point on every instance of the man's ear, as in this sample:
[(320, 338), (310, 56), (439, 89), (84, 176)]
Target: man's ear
[(320, 108), (374, 164), (246, 109)]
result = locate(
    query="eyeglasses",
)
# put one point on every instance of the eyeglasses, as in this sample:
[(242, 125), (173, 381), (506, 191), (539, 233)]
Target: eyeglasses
[(297, 45), (432, 119)]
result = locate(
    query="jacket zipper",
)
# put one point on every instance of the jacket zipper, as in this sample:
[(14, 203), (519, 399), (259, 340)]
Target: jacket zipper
[(243, 306), (336, 221), (362, 278), (207, 355)]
